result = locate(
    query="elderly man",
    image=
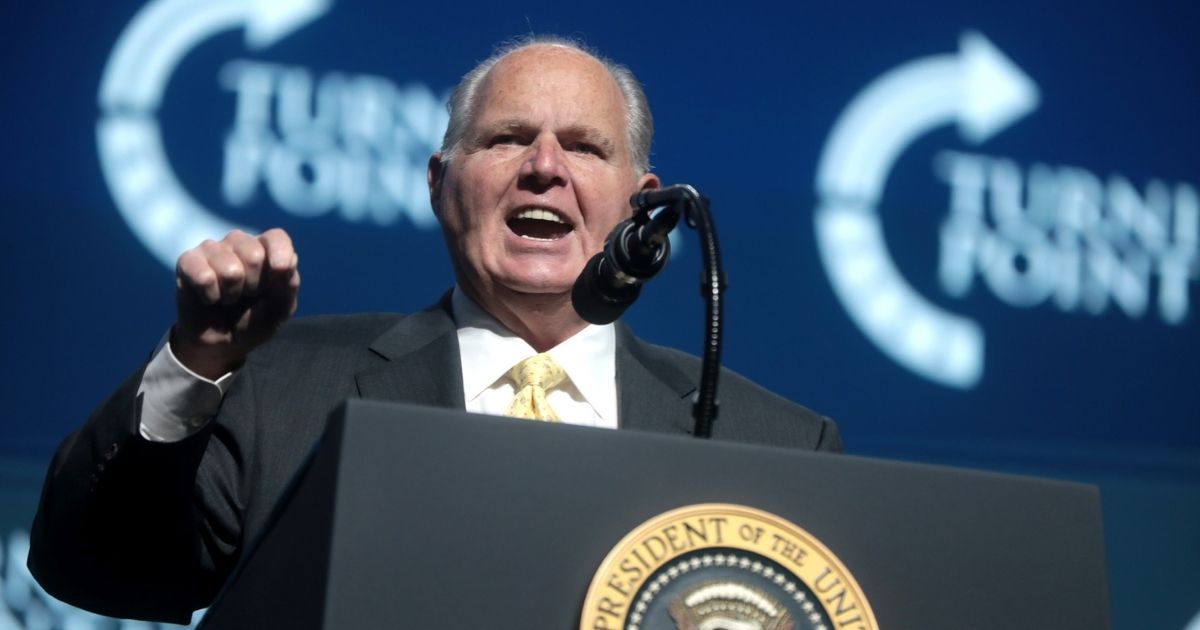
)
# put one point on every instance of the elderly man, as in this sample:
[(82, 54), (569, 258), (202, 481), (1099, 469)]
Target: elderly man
[(148, 506)]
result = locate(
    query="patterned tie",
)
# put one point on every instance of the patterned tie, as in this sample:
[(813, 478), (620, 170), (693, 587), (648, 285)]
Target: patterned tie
[(533, 377)]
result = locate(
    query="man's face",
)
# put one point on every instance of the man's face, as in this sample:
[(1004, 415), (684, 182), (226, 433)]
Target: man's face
[(541, 177)]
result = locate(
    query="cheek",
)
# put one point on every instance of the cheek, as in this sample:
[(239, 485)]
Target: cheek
[(597, 233), (476, 196), (456, 213), (608, 205), (613, 211)]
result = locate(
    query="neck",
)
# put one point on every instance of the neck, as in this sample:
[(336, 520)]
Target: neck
[(543, 320)]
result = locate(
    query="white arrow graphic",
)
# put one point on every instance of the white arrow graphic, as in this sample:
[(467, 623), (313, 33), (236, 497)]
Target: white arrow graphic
[(980, 90), (147, 193)]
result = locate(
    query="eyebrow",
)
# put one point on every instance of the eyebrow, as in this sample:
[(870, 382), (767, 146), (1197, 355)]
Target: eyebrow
[(579, 132)]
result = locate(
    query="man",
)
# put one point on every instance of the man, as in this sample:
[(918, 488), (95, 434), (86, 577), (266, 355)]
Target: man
[(147, 508)]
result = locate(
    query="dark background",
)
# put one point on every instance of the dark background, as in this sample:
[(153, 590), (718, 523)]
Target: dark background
[(744, 98)]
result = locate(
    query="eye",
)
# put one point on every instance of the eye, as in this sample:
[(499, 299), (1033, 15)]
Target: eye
[(585, 148), (504, 138)]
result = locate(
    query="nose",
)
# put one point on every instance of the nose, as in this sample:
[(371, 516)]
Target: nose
[(545, 166)]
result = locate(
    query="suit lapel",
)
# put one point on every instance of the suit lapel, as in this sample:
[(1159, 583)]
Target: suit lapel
[(653, 393), (422, 361), (423, 367)]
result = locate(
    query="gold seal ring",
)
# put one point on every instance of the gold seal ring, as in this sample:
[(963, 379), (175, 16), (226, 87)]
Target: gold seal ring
[(741, 564)]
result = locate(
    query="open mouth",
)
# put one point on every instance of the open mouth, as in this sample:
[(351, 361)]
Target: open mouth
[(538, 224)]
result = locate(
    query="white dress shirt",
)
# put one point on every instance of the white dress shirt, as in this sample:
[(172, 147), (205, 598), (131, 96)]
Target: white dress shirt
[(588, 396), (177, 402)]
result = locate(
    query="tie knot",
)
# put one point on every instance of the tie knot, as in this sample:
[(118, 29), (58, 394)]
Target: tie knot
[(538, 370), (533, 377)]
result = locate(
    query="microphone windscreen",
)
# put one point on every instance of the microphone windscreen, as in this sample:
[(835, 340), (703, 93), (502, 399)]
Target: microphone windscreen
[(599, 300)]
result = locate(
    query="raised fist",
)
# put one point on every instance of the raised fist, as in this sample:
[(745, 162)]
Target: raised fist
[(232, 295)]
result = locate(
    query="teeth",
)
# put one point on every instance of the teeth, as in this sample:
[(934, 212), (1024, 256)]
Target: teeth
[(540, 215)]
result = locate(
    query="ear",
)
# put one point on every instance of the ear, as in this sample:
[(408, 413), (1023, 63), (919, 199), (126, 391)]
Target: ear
[(649, 181), (435, 171)]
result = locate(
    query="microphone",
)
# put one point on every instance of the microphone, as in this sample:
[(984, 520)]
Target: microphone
[(658, 197), (634, 252)]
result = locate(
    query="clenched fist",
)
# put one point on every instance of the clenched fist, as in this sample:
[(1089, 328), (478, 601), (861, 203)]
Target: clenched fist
[(231, 295)]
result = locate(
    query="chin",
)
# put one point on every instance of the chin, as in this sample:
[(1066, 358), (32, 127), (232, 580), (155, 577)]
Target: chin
[(540, 283), (542, 288), (540, 276)]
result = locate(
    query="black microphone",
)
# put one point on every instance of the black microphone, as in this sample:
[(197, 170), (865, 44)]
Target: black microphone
[(634, 252), (658, 197)]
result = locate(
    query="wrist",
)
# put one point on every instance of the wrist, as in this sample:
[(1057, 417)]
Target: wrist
[(211, 361)]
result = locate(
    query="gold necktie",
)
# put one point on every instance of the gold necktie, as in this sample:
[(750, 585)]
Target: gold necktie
[(533, 377)]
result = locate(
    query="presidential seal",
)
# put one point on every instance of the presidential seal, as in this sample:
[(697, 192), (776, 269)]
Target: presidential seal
[(723, 567)]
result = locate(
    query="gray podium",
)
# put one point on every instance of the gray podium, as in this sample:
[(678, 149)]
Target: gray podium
[(412, 517)]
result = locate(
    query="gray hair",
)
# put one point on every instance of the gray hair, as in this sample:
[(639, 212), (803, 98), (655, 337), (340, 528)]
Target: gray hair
[(639, 125)]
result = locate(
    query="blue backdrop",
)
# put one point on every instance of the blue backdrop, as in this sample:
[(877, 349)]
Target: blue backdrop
[(967, 233)]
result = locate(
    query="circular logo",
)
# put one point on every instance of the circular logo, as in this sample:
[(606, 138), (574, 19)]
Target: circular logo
[(147, 192), (719, 566), (984, 92)]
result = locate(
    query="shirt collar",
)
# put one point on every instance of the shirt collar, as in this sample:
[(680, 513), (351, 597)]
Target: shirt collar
[(588, 357)]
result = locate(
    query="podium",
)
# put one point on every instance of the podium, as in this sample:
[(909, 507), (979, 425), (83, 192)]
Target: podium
[(414, 517)]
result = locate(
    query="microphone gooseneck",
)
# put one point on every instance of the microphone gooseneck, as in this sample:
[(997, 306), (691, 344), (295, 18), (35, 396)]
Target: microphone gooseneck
[(635, 251)]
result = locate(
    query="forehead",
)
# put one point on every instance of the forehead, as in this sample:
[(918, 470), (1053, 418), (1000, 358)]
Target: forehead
[(552, 84)]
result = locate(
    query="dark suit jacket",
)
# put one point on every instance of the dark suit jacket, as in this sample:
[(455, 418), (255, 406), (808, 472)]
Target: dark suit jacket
[(131, 528)]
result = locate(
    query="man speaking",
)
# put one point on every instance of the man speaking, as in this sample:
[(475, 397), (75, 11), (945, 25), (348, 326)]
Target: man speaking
[(147, 507)]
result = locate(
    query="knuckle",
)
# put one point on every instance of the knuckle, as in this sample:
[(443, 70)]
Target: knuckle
[(254, 255), (187, 259), (277, 237), (232, 272), (202, 278), (211, 249)]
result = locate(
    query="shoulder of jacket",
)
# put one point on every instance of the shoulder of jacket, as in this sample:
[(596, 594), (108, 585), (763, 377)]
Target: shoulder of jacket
[(326, 332)]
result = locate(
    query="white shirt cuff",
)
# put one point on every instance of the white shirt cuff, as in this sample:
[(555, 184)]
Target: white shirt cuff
[(177, 402)]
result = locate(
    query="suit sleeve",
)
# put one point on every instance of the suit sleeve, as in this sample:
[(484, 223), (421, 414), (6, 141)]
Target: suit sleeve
[(122, 528)]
